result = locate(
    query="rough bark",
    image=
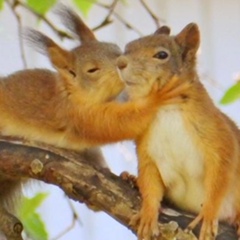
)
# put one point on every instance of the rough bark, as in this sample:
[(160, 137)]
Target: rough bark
[(83, 182)]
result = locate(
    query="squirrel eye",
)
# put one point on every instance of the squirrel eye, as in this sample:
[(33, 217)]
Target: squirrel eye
[(92, 70), (72, 73), (161, 55)]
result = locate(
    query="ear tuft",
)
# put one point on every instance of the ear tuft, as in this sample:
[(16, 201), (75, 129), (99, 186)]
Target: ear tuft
[(74, 23), (163, 30), (38, 40), (59, 57)]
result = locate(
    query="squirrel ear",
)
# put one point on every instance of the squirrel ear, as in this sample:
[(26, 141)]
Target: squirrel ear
[(189, 40), (163, 30), (74, 23), (60, 58)]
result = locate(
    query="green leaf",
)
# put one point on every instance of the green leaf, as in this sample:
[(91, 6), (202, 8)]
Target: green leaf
[(232, 94), (84, 5), (35, 227), (41, 6), (32, 222), (29, 205), (1, 4)]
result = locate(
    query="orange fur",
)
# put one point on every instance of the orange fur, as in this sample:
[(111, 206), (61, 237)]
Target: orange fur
[(111, 122), (70, 107), (34, 104), (190, 153)]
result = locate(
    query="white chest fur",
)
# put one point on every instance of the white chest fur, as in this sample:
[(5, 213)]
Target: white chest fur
[(178, 158), (180, 162)]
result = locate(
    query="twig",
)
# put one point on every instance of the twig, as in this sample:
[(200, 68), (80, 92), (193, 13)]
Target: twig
[(107, 21), (58, 32), (104, 23), (75, 214), (75, 219), (154, 17), (127, 25), (20, 28)]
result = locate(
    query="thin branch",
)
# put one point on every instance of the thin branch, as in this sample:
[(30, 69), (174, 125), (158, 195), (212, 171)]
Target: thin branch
[(112, 12), (127, 25), (104, 23), (150, 12), (75, 214), (20, 28), (58, 32), (107, 20), (75, 219)]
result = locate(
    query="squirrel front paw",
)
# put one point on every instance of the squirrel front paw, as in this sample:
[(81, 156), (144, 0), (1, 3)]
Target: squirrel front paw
[(130, 179)]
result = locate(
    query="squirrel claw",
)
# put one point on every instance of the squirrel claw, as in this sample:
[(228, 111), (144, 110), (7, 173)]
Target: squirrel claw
[(129, 178), (146, 227), (208, 230)]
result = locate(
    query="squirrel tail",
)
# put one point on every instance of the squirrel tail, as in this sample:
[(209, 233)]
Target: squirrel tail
[(10, 193)]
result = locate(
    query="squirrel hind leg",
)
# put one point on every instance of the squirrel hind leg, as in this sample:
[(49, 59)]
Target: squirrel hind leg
[(209, 229)]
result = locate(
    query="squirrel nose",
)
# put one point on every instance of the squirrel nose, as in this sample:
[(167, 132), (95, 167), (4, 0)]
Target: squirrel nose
[(122, 62)]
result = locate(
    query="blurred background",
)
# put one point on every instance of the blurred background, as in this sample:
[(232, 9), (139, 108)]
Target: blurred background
[(218, 67)]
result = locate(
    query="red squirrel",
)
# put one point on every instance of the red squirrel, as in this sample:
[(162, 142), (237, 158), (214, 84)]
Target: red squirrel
[(59, 107), (190, 152), (34, 103)]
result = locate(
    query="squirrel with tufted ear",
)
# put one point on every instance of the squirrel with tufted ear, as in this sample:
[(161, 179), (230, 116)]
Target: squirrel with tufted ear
[(34, 103), (70, 107), (190, 152)]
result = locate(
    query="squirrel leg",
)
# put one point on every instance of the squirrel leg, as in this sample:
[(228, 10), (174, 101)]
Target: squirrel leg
[(10, 226), (151, 187), (208, 230), (216, 185)]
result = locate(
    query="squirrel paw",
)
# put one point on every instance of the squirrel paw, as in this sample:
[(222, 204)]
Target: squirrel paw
[(130, 179), (208, 230), (147, 226)]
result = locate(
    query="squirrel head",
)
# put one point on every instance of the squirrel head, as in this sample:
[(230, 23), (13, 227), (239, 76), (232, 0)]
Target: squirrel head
[(89, 67), (154, 59)]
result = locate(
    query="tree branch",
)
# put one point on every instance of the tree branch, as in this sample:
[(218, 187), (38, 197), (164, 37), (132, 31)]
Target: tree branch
[(83, 182)]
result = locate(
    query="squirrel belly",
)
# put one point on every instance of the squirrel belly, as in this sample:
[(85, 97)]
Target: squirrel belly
[(180, 161)]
